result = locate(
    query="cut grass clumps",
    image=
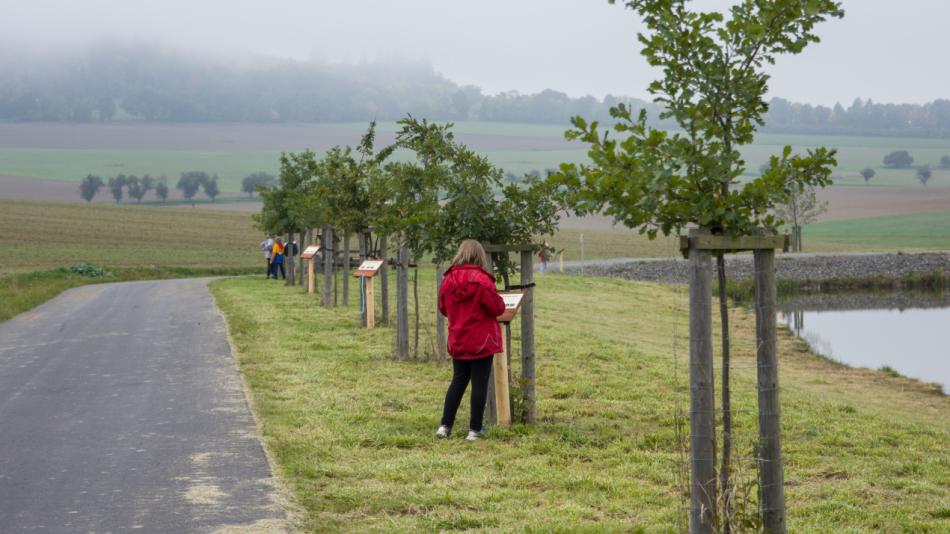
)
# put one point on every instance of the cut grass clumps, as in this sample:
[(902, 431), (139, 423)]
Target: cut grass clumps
[(352, 430)]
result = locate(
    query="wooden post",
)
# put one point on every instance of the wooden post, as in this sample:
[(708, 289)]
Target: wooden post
[(499, 371), (384, 281), (529, 415), (289, 260), (370, 302), (771, 477), (310, 277), (362, 244), (346, 268), (491, 413), (582, 255), (440, 341), (702, 419), (300, 247), (560, 259), (402, 304), (328, 267)]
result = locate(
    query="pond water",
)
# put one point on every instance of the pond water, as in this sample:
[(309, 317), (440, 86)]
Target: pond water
[(908, 332)]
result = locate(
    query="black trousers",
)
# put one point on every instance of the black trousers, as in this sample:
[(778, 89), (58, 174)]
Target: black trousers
[(270, 267), (463, 371)]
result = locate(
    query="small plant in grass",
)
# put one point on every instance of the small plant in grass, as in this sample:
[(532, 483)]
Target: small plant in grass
[(89, 270)]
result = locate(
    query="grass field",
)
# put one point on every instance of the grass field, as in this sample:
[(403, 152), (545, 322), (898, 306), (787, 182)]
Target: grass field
[(515, 147), (351, 430), (43, 235)]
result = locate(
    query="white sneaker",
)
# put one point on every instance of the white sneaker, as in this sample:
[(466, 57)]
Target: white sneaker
[(473, 436), (443, 432)]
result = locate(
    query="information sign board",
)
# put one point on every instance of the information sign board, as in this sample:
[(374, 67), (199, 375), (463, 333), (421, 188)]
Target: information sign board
[(513, 301), (368, 268), (309, 252)]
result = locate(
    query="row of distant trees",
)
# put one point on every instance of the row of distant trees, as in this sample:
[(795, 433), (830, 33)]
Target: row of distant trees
[(189, 183), (149, 84), (901, 159)]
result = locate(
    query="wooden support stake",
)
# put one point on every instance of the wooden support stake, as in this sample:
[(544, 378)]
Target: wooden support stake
[(370, 303), (771, 477), (500, 378), (490, 405), (527, 338), (384, 281), (328, 267), (441, 350), (346, 268), (310, 276), (402, 304), (560, 259), (702, 419)]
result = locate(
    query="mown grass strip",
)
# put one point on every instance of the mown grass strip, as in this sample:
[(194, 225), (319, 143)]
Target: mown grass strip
[(352, 430)]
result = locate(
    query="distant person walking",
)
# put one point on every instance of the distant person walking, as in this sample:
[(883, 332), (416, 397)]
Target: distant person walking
[(544, 255), (277, 258), (267, 245), (471, 302)]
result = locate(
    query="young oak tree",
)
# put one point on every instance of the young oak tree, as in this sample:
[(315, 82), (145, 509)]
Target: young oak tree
[(798, 209), (713, 86)]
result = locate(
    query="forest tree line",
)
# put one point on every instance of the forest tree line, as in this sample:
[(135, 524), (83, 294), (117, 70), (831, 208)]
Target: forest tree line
[(112, 83)]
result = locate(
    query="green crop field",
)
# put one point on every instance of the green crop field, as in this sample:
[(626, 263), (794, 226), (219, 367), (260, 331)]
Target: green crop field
[(351, 430), (512, 148), (915, 231), (43, 235)]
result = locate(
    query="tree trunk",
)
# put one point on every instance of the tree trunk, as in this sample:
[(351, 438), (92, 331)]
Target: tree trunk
[(725, 470), (362, 244), (384, 281), (402, 304), (327, 267)]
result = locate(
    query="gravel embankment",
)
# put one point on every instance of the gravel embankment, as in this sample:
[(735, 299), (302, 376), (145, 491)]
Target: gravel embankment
[(813, 268)]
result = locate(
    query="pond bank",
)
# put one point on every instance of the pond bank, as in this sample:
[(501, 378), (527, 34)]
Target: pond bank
[(809, 272)]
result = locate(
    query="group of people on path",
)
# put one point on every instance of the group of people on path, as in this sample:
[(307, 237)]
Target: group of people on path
[(274, 252)]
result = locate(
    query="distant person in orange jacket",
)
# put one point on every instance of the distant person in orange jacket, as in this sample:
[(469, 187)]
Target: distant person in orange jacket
[(277, 258), (471, 302)]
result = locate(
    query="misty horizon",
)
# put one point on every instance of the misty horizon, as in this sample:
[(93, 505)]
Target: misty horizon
[(879, 51)]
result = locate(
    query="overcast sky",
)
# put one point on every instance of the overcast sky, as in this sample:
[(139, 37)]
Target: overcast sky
[(883, 49)]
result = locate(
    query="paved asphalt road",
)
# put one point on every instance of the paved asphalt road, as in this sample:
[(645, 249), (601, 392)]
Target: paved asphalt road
[(121, 410)]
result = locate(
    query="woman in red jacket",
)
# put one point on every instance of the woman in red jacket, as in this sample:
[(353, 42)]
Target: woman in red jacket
[(469, 299)]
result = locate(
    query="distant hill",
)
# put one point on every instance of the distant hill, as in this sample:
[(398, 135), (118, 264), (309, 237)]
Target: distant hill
[(140, 83)]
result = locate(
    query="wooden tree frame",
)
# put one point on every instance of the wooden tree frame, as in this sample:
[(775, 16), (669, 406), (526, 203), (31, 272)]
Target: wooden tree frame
[(493, 407), (699, 247)]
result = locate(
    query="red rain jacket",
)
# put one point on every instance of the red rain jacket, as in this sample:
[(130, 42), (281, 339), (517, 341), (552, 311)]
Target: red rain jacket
[(469, 299)]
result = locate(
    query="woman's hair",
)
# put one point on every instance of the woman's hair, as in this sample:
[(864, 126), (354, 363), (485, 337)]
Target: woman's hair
[(471, 252)]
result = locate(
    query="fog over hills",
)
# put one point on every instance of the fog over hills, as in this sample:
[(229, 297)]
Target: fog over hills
[(124, 82)]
